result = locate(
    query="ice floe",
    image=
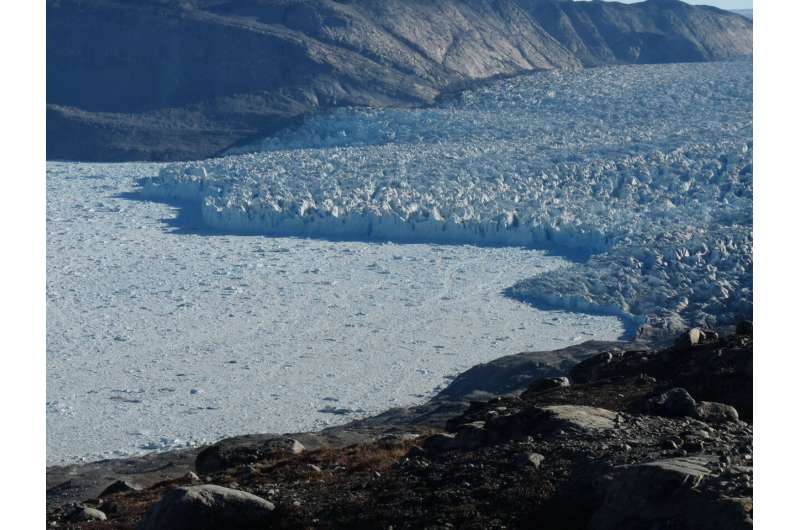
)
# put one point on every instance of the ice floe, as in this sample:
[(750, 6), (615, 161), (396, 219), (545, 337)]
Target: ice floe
[(228, 334)]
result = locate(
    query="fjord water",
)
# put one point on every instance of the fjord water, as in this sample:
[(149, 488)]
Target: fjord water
[(157, 339)]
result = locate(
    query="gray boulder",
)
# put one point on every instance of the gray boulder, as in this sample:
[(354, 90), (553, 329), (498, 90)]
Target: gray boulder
[(667, 494), (548, 383), (691, 338), (208, 507), (712, 412), (575, 417), (119, 486), (673, 403), (531, 459), (82, 514), (244, 450), (470, 436)]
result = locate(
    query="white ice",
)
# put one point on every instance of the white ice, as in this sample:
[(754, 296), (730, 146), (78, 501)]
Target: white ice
[(159, 337), (646, 168)]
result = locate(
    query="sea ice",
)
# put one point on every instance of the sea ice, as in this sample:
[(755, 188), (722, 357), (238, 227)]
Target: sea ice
[(275, 334)]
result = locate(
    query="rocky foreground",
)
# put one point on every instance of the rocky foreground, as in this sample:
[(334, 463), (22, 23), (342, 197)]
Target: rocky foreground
[(632, 437)]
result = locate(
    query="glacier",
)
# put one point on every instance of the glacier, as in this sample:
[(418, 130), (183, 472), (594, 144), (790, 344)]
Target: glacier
[(642, 173)]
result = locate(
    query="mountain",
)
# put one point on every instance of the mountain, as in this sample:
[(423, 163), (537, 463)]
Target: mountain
[(744, 12), (184, 79)]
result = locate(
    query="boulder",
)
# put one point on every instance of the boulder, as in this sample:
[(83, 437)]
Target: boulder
[(548, 383), (469, 436), (208, 507), (592, 368), (119, 486), (531, 459), (691, 338), (85, 514), (576, 417), (611, 365), (673, 403), (664, 494), (712, 412), (552, 419), (244, 450)]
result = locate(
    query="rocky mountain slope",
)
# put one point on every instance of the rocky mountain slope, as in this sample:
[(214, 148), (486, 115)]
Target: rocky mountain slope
[(634, 437), (169, 79)]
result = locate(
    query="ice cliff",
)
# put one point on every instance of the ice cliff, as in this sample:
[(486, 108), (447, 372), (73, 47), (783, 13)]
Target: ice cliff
[(646, 170)]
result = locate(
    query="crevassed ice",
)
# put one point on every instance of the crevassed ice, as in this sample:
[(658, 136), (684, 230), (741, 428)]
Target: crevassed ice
[(648, 169)]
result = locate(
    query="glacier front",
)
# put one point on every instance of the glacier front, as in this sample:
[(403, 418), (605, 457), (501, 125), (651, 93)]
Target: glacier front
[(642, 172)]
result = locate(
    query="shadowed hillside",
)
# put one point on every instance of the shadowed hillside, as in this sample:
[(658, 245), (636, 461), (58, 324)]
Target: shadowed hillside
[(168, 79)]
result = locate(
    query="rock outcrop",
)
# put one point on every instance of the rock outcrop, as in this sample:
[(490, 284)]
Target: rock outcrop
[(244, 450), (627, 444), (208, 507), (167, 80), (670, 490)]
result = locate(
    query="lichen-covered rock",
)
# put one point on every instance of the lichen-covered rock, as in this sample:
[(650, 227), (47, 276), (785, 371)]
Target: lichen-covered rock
[(208, 507), (85, 514), (673, 403), (693, 337), (119, 486), (244, 450), (568, 417), (716, 412), (664, 494), (532, 459)]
